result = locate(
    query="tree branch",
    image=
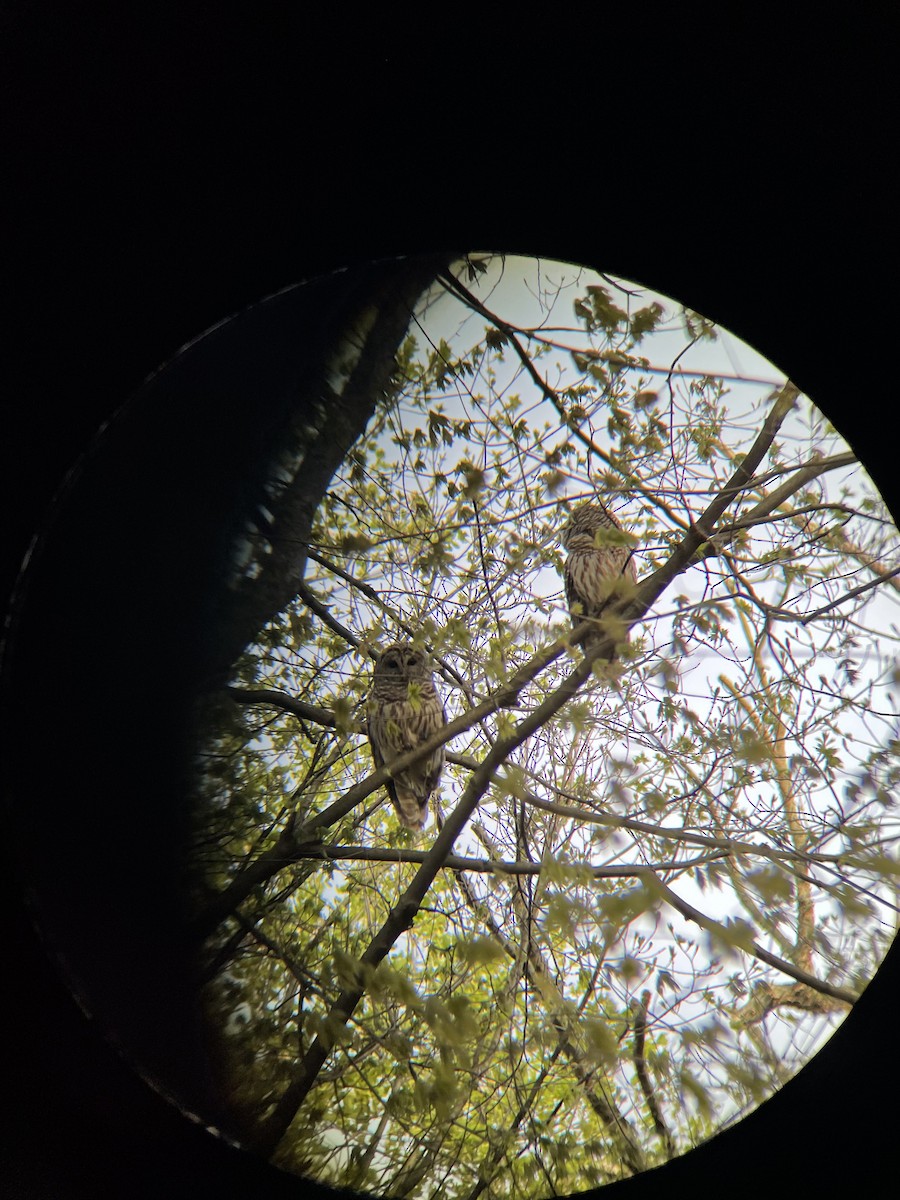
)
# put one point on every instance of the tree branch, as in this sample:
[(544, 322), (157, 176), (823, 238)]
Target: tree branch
[(330, 852), (703, 530), (640, 1066), (857, 591), (299, 708), (802, 476), (725, 845), (371, 594), (766, 996), (314, 604), (728, 937)]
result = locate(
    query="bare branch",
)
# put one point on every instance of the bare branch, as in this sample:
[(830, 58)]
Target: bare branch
[(640, 1065), (325, 852), (299, 708), (853, 592), (730, 937), (314, 604)]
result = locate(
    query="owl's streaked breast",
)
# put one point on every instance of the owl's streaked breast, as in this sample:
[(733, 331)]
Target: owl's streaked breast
[(591, 584)]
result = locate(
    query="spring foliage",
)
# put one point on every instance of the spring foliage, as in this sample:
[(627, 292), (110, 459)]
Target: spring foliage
[(710, 819)]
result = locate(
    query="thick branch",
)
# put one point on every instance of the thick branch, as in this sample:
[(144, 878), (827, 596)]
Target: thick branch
[(457, 862), (314, 604), (702, 530), (802, 476), (299, 708)]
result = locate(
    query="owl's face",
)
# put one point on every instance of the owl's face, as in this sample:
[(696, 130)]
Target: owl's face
[(400, 664), (586, 519)]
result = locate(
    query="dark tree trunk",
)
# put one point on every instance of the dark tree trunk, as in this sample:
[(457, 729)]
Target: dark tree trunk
[(130, 610), (366, 321)]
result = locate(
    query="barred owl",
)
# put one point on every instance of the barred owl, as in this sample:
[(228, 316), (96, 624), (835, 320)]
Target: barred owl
[(594, 563), (404, 710)]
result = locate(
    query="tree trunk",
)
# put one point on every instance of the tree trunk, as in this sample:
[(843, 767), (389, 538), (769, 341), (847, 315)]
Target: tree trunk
[(364, 325)]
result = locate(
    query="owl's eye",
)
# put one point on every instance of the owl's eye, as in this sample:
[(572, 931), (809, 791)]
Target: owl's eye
[(412, 660), (392, 663)]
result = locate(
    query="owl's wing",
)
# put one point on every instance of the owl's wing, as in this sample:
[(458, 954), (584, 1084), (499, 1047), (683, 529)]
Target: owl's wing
[(378, 760), (435, 764), (572, 597), (585, 607)]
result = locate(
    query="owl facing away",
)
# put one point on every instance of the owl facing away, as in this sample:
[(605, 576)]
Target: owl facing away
[(403, 710), (595, 564)]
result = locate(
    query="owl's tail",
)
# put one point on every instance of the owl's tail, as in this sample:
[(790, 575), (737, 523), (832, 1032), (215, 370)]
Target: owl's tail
[(411, 810)]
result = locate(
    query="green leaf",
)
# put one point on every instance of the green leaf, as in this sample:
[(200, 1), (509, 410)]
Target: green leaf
[(772, 885), (480, 951)]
